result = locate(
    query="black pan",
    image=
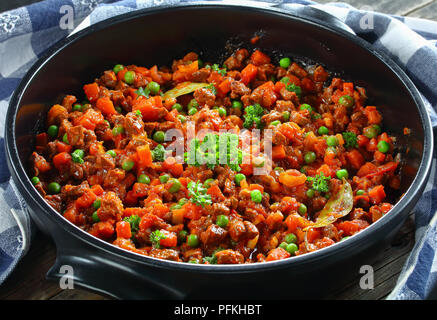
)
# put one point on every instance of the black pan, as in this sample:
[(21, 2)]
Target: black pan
[(156, 36)]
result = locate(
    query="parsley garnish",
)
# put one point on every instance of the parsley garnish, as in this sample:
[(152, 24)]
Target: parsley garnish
[(158, 154), (320, 182), (198, 194), (296, 89), (215, 150), (138, 113), (215, 67), (155, 238), (212, 259), (212, 88), (134, 222), (350, 139), (253, 116), (143, 92)]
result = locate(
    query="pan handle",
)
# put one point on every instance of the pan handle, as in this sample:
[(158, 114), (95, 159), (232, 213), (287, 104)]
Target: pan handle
[(314, 14), (93, 270)]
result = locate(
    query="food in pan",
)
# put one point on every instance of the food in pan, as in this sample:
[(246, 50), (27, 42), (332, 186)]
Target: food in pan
[(121, 162)]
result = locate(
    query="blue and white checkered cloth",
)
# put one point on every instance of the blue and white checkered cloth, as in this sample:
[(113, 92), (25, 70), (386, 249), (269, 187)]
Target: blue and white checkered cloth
[(25, 33)]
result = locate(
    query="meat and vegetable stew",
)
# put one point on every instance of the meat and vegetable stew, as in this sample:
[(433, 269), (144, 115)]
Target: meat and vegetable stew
[(107, 164)]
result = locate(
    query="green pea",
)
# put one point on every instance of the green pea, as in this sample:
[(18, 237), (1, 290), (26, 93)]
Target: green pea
[(193, 240), (79, 153), (286, 116), (192, 104), (332, 141), (310, 193), (222, 221), (109, 124), (142, 178), (129, 77), (208, 183), (95, 217), (77, 107), (65, 138), (292, 248), (283, 245), (164, 178), (192, 111), (117, 130), (127, 165), (182, 118), (285, 62), (323, 130), (178, 107), (193, 261), (238, 178), (290, 238), (256, 196), (342, 173), (310, 157), (285, 80), (302, 209), (117, 68), (52, 131), (175, 187), (346, 101), (159, 136), (306, 106), (275, 123), (112, 153), (344, 238), (153, 87), (97, 204), (279, 169), (35, 181), (360, 192), (182, 235), (183, 201), (372, 131), (383, 146), (175, 207), (237, 104), (54, 187), (222, 112), (118, 109)]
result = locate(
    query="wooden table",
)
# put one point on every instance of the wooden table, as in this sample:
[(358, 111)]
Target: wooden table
[(28, 280)]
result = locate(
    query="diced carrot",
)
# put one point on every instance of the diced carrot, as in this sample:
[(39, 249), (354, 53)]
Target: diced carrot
[(97, 189), (366, 169), (106, 106), (177, 216), (377, 194), (255, 186), (215, 192), (140, 190), (373, 116), (277, 254), (102, 230), (259, 58), (54, 113), (379, 156), (150, 108), (92, 91), (86, 199), (144, 156), (307, 84), (249, 73), (224, 87), (278, 152), (192, 211), (123, 230), (274, 219), (89, 119), (170, 239), (348, 88), (355, 158), (63, 147), (351, 227), (313, 234), (170, 164), (61, 159)]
